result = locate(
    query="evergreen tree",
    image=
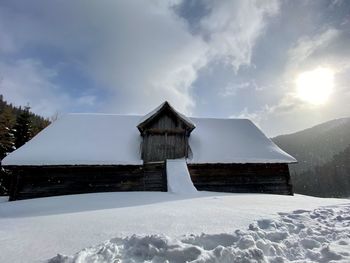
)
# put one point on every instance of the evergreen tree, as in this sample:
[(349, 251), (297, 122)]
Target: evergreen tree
[(28, 125), (23, 129), (7, 139)]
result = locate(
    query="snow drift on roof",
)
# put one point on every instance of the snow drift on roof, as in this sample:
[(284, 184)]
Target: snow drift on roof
[(107, 139)]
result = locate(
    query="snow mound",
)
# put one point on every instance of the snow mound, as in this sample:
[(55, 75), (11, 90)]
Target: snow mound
[(178, 177), (321, 235), (4, 199)]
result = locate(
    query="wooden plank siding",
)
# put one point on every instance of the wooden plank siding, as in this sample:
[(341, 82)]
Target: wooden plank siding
[(42, 181), (164, 138), (164, 146), (242, 178)]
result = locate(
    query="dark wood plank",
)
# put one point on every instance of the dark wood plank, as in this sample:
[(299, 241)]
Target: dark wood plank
[(242, 178), (39, 181)]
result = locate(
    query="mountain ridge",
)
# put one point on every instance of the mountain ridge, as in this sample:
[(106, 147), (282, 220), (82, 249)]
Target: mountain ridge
[(322, 152), (316, 145)]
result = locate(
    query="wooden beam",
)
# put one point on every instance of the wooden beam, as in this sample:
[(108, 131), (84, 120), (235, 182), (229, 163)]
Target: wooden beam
[(165, 131)]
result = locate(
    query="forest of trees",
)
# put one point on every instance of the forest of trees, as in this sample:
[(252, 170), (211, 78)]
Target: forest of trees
[(323, 154), (17, 126), (331, 179)]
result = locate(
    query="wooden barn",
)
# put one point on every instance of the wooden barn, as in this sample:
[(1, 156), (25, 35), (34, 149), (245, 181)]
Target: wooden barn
[(84, 153)]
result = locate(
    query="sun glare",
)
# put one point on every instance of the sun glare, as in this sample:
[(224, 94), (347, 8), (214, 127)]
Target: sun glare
[(315, 86)]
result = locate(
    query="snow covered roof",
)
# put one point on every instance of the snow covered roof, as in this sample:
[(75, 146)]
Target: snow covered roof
[(108, 139), (233, 141)]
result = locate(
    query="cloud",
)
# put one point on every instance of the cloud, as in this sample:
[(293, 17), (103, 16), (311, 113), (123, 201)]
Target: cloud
[(231, 89), (139, 52), (246, 114), (233, 27), (29, 82), (307, 46), (327, 48), (301, 38), (88, 100), (6, 43), (26, 81), (310, 52)]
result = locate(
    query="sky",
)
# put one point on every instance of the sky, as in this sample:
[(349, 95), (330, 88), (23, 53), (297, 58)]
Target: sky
[(222, 59)]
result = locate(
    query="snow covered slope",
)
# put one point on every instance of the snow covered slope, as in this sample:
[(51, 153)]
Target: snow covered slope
[(178, 177), (114, 139), (37, 229)]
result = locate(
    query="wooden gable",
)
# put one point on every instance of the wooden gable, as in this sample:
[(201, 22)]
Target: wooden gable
[(165, 135)]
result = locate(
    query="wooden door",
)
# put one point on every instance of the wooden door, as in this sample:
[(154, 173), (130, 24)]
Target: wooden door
[(159, 147)]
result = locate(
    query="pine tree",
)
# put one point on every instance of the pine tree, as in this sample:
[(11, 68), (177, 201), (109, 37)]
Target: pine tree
[(7, 139), (23, 129)]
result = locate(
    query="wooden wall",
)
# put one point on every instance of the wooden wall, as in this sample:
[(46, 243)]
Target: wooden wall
[(242, 178), (159, 147), (166, 120), (164, 138), (42, 181)]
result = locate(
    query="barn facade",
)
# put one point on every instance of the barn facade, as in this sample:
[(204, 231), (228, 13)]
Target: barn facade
[(85, 153)]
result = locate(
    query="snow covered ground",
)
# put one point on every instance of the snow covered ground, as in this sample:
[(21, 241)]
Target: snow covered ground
[(322, 235), (4, 199), (38, 229)]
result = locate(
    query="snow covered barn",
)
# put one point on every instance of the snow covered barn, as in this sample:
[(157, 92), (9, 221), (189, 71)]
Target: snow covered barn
[(83, 153)]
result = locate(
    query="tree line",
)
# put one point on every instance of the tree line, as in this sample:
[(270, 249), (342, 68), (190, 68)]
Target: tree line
[(17, 126), (323, 154), (331, 179)]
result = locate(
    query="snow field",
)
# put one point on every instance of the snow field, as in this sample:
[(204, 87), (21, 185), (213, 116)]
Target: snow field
[(321, 235), (38, 229), (4, 199)]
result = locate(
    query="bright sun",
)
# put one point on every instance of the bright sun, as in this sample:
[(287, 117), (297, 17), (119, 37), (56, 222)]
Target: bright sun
[(315, 86)]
